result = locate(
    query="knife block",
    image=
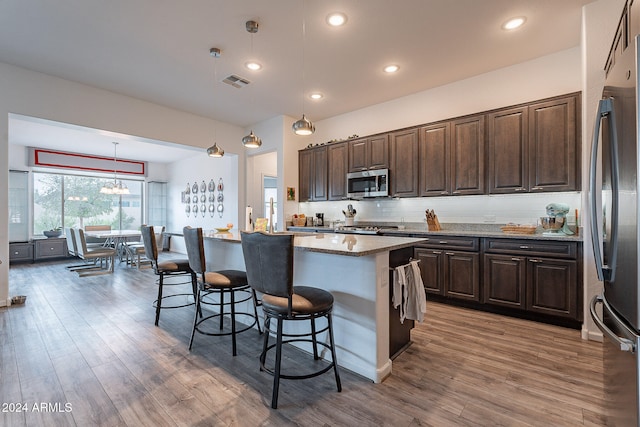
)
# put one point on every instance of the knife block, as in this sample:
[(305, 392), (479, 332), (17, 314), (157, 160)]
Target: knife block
[(433, 224)]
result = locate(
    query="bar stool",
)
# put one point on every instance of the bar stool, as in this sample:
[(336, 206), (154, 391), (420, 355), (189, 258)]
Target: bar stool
[(165, 269), (223, 283), (269, 263)]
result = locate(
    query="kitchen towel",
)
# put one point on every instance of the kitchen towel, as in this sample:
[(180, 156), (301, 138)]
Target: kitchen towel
[(248, 221), (408, 292)]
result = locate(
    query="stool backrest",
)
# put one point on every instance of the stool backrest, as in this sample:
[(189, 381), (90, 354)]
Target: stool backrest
[(268, 260), (81, 243), (195, 249), (150, 244)]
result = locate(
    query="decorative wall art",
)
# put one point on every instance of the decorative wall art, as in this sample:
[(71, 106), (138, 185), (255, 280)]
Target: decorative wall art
[(201, 198), (291, 194)]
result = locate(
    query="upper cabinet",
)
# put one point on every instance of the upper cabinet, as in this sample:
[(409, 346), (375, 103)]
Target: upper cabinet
[(369, 153), (553, 151), (534, 148), (404, 163), (338, 164), (312, 174), (467, 155)]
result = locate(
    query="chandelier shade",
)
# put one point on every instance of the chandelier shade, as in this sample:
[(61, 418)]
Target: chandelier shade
[(251, 141), (215, 151)]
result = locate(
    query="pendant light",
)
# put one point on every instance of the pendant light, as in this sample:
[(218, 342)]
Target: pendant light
[(115, 187), (214, 150), (303, 126), (251, 140)]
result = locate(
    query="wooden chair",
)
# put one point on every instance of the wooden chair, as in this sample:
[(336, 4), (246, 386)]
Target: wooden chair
[(225, 284), (269, 263)]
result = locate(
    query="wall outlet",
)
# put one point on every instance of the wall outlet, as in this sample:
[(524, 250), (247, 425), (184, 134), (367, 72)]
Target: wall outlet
[(489, 218)]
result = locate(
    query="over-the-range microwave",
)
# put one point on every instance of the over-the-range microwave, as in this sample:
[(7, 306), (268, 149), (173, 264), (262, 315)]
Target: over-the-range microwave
[(369, 183)]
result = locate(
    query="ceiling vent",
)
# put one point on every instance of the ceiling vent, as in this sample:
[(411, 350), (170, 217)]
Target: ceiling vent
[(236, 81)]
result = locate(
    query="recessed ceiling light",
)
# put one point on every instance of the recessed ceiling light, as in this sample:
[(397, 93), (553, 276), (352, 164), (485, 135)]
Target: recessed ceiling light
[(391, 68), (514, 23), (316, 95), (336, 19), (253, 66)]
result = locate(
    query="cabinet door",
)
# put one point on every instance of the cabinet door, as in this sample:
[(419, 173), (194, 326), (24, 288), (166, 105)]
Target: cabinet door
[(462, 275), (552, 145), (504, 280), (435, 160), (507, 133), (404, 161), (320, 163), (305, 175), (50, 248), (551, 287), (378, 152), (358, 155), (467, 156), (431, 269), (20, 252), (338, 165)]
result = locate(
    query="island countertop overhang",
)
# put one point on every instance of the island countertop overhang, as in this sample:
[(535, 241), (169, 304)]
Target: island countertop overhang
[(332, 243)]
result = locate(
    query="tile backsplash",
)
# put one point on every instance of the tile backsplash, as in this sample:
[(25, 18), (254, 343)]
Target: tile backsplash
[(498, 209)]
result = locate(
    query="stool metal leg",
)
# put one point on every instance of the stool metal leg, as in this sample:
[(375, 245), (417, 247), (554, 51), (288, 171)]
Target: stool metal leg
[(276, 376), (333, 352), (159, 302), (313, 338), (195, 319)]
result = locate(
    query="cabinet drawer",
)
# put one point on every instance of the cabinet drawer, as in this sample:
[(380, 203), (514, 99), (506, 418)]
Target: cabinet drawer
[(50, 248), (451, 242), (20, 252), (554, 249)]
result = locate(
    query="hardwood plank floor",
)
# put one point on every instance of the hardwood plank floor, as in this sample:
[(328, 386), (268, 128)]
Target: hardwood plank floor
[(90, 343)]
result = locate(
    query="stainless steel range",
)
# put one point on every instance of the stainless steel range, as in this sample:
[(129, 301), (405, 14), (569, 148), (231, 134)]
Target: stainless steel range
[(369, 229)]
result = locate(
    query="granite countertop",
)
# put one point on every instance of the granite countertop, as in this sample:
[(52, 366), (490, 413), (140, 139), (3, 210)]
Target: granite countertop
[(463, 230), (331, 243)]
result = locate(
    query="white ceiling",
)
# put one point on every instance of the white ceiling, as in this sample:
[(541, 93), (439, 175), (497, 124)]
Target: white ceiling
[(158, 50)]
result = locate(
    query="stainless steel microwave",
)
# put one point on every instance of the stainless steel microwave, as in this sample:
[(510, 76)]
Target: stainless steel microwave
[(369, 183)]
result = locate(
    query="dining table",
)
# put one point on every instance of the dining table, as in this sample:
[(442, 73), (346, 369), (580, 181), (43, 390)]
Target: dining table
[(115, 238)]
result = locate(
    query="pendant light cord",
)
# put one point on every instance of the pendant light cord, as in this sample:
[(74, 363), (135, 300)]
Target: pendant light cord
[(304, 34)]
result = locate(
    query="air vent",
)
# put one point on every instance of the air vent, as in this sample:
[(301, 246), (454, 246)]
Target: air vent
[(236, 81)]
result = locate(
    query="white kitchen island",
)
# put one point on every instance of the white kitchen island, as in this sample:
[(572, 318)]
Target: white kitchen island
[(355, 269)]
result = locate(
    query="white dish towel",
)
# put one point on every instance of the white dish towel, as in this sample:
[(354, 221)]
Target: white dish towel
[(408, 292)]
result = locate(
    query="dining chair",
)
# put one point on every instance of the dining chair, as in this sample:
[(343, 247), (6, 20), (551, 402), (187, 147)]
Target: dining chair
[(269, 264), (166, 269), (95, 254), (230, 287)]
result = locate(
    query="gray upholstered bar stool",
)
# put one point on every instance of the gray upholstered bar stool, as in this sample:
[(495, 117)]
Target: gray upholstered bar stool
[(269, 263), (223, 283), (167, 268)]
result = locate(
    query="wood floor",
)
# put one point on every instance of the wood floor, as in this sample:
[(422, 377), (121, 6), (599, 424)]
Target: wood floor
[(85, 352)]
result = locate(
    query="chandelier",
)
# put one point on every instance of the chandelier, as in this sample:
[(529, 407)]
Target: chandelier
[(115, 187)]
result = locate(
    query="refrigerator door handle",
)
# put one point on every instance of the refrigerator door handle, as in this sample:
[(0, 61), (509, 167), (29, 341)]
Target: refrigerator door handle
[(605, 272), (625, 344)]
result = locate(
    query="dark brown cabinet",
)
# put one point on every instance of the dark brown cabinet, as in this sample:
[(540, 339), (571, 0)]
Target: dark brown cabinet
[(369, 153), (467, 156), (553, 154), (533, 148), (448, 271), (312, 174), (507, 137), (435, 159), (404, 163), (536, 276), (338, 164)]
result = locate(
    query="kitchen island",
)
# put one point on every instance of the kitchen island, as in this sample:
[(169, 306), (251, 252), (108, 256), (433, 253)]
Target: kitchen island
[(356, 270)]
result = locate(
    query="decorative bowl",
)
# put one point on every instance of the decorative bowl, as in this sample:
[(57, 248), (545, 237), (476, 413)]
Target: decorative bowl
[(222, 229), (52, 233), (18, 299)]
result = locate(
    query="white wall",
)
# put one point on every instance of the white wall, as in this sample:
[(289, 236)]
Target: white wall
[(39, 95)]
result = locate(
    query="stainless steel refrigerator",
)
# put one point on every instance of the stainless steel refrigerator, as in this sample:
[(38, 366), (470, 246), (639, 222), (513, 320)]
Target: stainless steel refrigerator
[(613, 193)]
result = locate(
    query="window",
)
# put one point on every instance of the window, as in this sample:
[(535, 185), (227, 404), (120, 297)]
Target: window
[(75, 201)]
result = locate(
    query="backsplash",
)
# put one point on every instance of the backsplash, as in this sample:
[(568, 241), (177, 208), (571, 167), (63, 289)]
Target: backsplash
[(494, 209)]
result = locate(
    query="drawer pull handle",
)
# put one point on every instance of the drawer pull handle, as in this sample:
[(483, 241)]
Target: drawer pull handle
[(535, 260), (52, 249), (437, 252), (524, 247), (16, 253), (450, 253), (443, 242), (516, 259)]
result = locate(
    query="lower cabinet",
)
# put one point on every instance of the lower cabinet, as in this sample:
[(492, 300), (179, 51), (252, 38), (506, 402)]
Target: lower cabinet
[(540, 279), (20, 252), (450, 272), (38, 250)]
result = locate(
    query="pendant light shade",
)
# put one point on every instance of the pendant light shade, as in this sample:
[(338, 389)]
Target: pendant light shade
[(251, 141), (115, 187), (303, 127), (215, 151)]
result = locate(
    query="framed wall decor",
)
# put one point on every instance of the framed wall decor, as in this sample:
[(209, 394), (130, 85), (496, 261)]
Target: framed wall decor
[(291, 194)]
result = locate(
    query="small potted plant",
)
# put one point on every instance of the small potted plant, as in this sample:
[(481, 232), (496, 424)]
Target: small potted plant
[(54, 232)]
